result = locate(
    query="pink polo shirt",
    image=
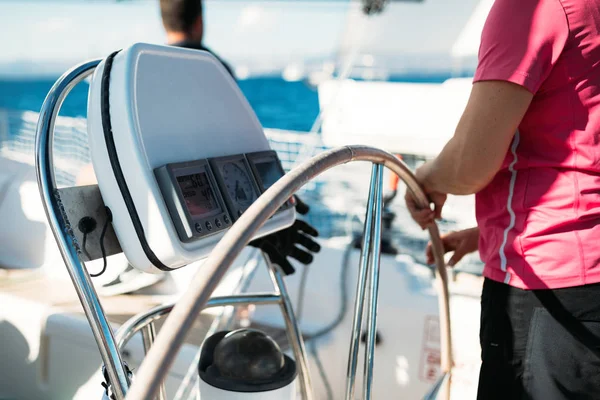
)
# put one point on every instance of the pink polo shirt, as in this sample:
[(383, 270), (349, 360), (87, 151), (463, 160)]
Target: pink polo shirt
[(540, 216)]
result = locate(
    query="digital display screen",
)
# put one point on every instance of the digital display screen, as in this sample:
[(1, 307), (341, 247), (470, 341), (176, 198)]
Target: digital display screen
[(269, 172), (198, 194)]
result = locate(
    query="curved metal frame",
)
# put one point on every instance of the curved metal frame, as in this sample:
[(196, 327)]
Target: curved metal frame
[(371, 238), (62, 229), (144, 323), (154, 367), (153, 370)]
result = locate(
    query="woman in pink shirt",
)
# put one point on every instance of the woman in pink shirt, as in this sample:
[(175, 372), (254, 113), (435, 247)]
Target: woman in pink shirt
[(528, 145)]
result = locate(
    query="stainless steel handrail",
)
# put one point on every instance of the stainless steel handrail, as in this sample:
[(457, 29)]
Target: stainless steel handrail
[(363, 274), (292, 330), (140, 321), (62, 229), (374, 258), (155, 366), (144, 323), (148, 336)]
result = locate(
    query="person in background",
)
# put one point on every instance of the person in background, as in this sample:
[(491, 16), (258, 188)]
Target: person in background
[(528, 146), (184, 24)]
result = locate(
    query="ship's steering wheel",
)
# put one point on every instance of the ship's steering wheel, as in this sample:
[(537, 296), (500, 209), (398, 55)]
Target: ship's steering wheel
[(156, 364)]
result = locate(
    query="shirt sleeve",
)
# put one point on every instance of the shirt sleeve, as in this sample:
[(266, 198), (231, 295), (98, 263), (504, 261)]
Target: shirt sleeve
[(521, 42)]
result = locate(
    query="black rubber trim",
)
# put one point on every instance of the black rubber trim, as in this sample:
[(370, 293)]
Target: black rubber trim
[(116, 166)]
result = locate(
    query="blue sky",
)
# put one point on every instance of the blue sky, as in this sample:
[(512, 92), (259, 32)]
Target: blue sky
[(70, 31), (51, 35)]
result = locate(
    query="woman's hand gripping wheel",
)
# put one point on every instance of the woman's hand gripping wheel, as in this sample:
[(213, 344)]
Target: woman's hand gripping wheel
[(425, 216), (295, 242)]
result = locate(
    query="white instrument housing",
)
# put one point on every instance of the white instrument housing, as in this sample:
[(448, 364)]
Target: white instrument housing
[(158, 106), (288, 392)]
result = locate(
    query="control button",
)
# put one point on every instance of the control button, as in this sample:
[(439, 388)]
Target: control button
[(208, 225), (218, 222), (226, 219), (198, 227)]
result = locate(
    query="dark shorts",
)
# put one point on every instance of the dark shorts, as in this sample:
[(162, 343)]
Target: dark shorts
[(539, 344)]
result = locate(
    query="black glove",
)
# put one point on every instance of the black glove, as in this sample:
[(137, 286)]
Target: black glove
[(283, 244)]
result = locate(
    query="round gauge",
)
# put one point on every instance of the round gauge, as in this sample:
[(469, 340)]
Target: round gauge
[(238, 183)]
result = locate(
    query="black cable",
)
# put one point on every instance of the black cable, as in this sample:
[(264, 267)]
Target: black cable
[(301, 291), (86, 226), (102, 249), (84, 249)]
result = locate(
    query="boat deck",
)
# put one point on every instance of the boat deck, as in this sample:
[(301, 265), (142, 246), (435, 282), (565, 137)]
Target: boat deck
[(60, 295)]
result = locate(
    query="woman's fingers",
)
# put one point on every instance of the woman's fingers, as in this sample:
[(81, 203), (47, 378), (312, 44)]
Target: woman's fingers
[(459, 253), (461, 243), (422, 216), (411, 205), (438, 200), (449, 243)]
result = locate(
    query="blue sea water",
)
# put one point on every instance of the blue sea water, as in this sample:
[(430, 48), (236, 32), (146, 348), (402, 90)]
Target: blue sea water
[(277, 103)]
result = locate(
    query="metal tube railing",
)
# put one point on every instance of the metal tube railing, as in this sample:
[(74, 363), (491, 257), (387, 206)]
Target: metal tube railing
[(62, 229), (363, 270), (144, 323), (148, 335), (374, 258), (292, 330), (154, 368), (140, 321)]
